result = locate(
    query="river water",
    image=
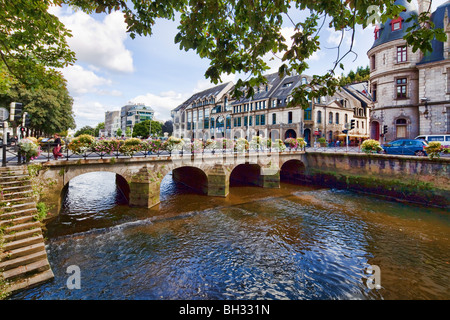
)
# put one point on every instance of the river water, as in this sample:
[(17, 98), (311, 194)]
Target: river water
[(295, 242)]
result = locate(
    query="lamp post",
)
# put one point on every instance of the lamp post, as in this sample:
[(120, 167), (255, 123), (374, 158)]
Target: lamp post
[(425, 113)]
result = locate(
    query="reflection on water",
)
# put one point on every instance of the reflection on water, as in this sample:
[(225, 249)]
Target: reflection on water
[(291, 243)]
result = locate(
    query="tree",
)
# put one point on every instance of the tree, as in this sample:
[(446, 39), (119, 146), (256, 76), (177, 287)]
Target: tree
[(235, 34), (85, 130), (31, 41), (128, 132), (167, 127), (97, 129), (361, 74), (119, 132), (49, 106), (142, 129)]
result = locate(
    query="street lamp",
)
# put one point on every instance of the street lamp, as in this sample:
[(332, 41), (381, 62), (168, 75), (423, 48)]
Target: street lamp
[(425, 113)]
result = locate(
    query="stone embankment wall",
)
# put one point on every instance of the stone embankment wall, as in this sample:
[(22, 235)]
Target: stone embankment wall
[(412, 179)]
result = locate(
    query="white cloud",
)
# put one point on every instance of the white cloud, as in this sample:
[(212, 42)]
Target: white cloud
[(335, 37), (98, 43), (89, 112), (163, 103), (81, 81)]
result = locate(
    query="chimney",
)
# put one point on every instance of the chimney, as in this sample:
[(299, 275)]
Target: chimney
[(424, 6)]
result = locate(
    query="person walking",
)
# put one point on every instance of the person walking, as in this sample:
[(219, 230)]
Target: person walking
[(57, 149)]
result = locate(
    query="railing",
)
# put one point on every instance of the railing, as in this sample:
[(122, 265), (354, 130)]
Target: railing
[(11, 154)]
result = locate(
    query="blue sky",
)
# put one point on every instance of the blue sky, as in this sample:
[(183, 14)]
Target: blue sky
[(112, 69)]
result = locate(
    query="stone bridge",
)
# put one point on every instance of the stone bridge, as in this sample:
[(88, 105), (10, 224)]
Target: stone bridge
[(140, 178)]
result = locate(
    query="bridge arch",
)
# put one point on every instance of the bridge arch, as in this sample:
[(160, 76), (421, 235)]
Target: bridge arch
[(193, 177), (246, 174), (293, 171)]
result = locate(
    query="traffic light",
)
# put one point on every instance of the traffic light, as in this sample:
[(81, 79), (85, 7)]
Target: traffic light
[(15, 111), (352, 124), (26, 120), (385, 129)]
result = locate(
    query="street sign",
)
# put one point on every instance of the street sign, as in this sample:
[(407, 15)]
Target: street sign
[(4, 114)]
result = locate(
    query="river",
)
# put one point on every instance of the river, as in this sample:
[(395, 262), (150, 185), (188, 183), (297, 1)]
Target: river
[(296, 242)]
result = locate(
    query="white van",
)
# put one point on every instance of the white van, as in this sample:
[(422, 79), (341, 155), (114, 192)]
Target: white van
[(444, 139)]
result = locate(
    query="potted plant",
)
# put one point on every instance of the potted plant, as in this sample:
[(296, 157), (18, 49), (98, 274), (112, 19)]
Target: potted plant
[(434, 149), (371, 146), (322, 141), (29, 148)]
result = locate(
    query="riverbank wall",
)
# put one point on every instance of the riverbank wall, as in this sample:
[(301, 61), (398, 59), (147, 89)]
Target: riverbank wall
[(403, 178)]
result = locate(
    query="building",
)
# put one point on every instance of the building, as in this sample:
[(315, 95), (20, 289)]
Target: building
[(214, 113), (134, 113), (204, 114), (411, 91), (112, 123)]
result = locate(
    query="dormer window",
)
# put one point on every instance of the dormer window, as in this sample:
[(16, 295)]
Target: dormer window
[(396, 24), (377, 33)]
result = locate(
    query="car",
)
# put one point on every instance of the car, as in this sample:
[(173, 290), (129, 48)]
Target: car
[(444, 139), (406, 147)]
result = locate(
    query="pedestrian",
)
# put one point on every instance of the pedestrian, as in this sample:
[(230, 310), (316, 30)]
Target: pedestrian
[(57, 149)]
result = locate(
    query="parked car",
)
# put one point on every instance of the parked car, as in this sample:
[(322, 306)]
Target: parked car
[(406, 147), (444, 139)]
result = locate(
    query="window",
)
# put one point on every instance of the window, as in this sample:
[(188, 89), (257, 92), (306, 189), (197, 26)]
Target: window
[(346, 118), (402, 85), (263, 119), (448, 80), (377, 33), (274, 118), (319, 116), (189, 121), (402, 54), (437, 138), (374, 92), (290, 117), (330, 118), (337, 118), (308, 114), (257, 120), (396, 24), (448, 121), (372, 62)]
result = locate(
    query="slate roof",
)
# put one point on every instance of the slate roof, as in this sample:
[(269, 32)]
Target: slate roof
[(386, 33), (437, 17), (273, 81), (208, 93)]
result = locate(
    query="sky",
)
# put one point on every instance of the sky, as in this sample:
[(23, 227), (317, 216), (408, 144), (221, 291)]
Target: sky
[(113, 70)]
